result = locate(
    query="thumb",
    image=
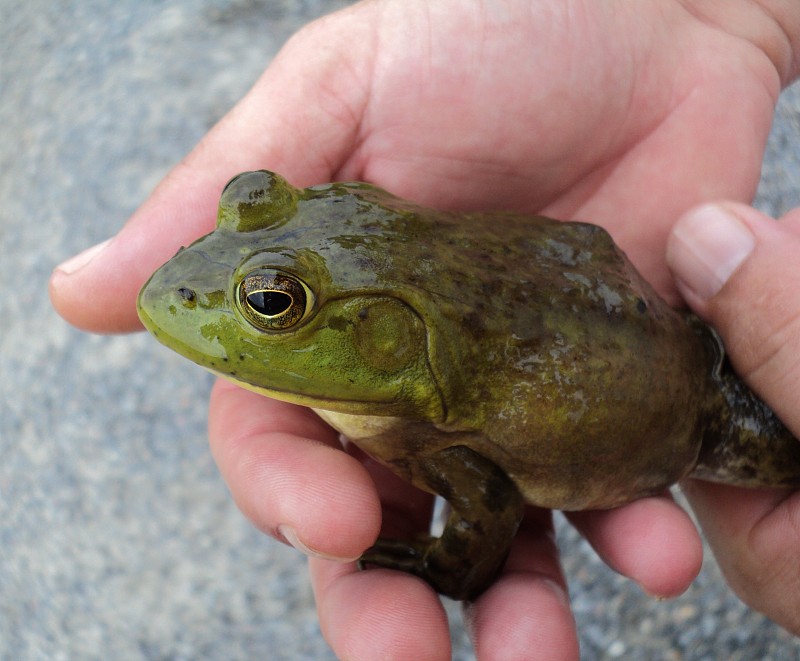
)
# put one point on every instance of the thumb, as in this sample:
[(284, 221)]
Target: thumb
[(740, 271)]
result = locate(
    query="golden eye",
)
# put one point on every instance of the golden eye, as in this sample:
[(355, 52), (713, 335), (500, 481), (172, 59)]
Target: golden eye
[(272, 300)]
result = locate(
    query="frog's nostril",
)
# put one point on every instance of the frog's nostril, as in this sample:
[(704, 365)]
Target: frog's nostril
[(187, 294)]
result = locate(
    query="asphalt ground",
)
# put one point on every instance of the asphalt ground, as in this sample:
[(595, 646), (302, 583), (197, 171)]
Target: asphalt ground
[(118, 539)]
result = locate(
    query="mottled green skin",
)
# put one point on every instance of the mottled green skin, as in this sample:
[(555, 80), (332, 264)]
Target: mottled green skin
[(493, 359)]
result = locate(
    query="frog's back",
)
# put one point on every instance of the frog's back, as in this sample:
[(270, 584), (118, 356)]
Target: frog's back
[(591, 392)]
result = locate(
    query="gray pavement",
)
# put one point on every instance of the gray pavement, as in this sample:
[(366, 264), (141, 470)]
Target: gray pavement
[(118, 540)]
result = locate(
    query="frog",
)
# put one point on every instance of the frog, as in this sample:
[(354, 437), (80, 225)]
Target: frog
[(494, 359)]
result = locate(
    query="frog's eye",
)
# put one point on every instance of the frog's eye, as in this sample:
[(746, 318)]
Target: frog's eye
[(272, 300)]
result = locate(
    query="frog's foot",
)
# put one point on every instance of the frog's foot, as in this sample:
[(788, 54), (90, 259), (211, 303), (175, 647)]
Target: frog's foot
[(407, 556), (445, 570), (486, 509)]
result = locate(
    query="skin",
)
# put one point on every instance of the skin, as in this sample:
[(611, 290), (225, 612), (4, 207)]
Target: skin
[(344, 100), (491, 359)]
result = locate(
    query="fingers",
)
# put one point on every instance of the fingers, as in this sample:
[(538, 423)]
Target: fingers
[(379, 614), (300, 119), (405, 510), (386, 614), (652, 541), (526, 613), (288, 475), (740, 271)]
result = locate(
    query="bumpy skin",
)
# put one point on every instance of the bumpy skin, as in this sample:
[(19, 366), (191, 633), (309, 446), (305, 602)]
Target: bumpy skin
[(493, 359)]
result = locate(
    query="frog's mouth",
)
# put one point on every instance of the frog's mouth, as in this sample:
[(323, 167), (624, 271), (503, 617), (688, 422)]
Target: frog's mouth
[(436, 410)]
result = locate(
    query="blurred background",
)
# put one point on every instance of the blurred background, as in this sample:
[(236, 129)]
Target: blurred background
[(118, 539)]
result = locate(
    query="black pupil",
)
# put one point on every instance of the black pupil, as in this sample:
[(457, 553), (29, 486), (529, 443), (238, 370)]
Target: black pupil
[(270, 303)]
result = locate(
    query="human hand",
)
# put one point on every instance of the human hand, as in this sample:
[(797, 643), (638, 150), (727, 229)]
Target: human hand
[(740, 271), (612, 116)]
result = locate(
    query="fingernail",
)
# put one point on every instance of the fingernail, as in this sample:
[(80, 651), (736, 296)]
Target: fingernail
[(82, 259), (706, 246), (290, 535)]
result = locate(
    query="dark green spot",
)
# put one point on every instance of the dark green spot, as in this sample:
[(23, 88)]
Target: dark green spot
[(338, 323)]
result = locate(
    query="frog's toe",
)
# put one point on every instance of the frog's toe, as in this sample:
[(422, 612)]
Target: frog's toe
[(403, 555), (422, 557)]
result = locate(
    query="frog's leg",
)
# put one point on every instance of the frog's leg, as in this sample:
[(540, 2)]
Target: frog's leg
[(743, 441), (486, 510)]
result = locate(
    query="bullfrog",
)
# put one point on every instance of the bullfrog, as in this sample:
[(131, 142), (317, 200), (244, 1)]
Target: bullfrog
[(493, 359)]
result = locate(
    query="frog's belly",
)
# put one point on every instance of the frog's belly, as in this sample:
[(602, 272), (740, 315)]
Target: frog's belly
[(359, 428), (585, 480)]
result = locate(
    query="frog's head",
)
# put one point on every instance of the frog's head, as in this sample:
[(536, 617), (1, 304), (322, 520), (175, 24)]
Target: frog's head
[(281, 299)]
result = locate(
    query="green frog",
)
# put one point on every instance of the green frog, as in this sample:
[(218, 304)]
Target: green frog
[(493, 359)]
